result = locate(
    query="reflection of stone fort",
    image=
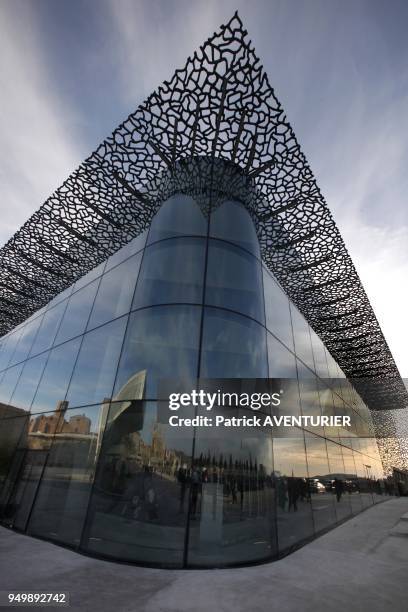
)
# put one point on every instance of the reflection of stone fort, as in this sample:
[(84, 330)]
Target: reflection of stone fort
[(57, 423)]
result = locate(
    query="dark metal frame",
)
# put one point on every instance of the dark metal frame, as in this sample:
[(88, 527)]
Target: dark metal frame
[(219, 105)]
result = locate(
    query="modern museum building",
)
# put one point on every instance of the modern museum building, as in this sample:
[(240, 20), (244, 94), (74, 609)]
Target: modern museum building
[(192, 244)]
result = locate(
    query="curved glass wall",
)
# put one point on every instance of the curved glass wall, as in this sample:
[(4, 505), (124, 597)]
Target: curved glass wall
[(84, 459)]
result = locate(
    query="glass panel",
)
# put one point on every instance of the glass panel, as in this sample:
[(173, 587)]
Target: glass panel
[(319, 355), (95, 370), (233, 346), (232, 222), (161, 342), (115, 292), (363, 468), (338, 410), (61, 296), (126, 251), (337, 480), (232, 513), (179, 215), (26, 340), (234, 280), (7, 387), (11, 431), (345, 432), (351, 482), (62, 499), (320, 487), (171, 271), (27, 468), (90, 276), (54, 382), (294, 509), (6, 351), (334, 370), (12, 343), (277, 311), (77, 313), (327, 407), (26, 485), (48, 328), (303, 347), (281, 361), (309, 397), (140, 500), (27, 385)]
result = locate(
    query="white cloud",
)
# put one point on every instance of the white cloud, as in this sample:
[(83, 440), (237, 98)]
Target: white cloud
[(364, 180), (151, 39), (38, 149), (381, 259)]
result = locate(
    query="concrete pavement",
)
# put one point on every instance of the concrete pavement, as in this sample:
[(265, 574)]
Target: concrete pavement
[(360, 566)]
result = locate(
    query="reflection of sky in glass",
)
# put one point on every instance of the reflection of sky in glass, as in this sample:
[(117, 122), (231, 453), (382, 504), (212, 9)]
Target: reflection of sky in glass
[(289, 456), (316, 456), (303, 347), (115, 292), (231, 221), (234, 280), (178, 216), (12, 343), (90, 276), (281, 361), (319, 355), (233, 346), (126, 251), (77, 313), (164, 342), (26, 340), (9, 382), (48, 328), (27, 385), (235, 444), (57, 373), (95, 369), (277, 310), (171, 271)]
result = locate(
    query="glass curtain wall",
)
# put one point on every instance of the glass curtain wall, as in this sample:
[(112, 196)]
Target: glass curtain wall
[(84, 458)]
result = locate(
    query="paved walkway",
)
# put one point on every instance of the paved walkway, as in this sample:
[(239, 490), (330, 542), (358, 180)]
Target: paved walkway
[(361, 566)]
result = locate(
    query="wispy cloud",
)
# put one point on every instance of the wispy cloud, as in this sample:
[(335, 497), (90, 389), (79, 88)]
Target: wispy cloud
[(38, 147), (145, 35)]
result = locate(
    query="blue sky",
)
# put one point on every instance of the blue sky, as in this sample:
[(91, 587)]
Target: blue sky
[(71, 70)]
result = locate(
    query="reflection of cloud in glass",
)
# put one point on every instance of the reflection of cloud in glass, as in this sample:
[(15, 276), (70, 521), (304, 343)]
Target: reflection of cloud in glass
[(164, 342), (289, 457)]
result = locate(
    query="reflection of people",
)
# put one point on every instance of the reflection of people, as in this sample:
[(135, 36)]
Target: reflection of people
[(282, 497), (195, 488), (304, 489), (240, 487), (400, 489), (293, 493), (182, 479), (152, 505), (339, 488), (233, 488)]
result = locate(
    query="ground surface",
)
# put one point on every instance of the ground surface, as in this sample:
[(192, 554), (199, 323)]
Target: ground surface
[(361, 566)]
